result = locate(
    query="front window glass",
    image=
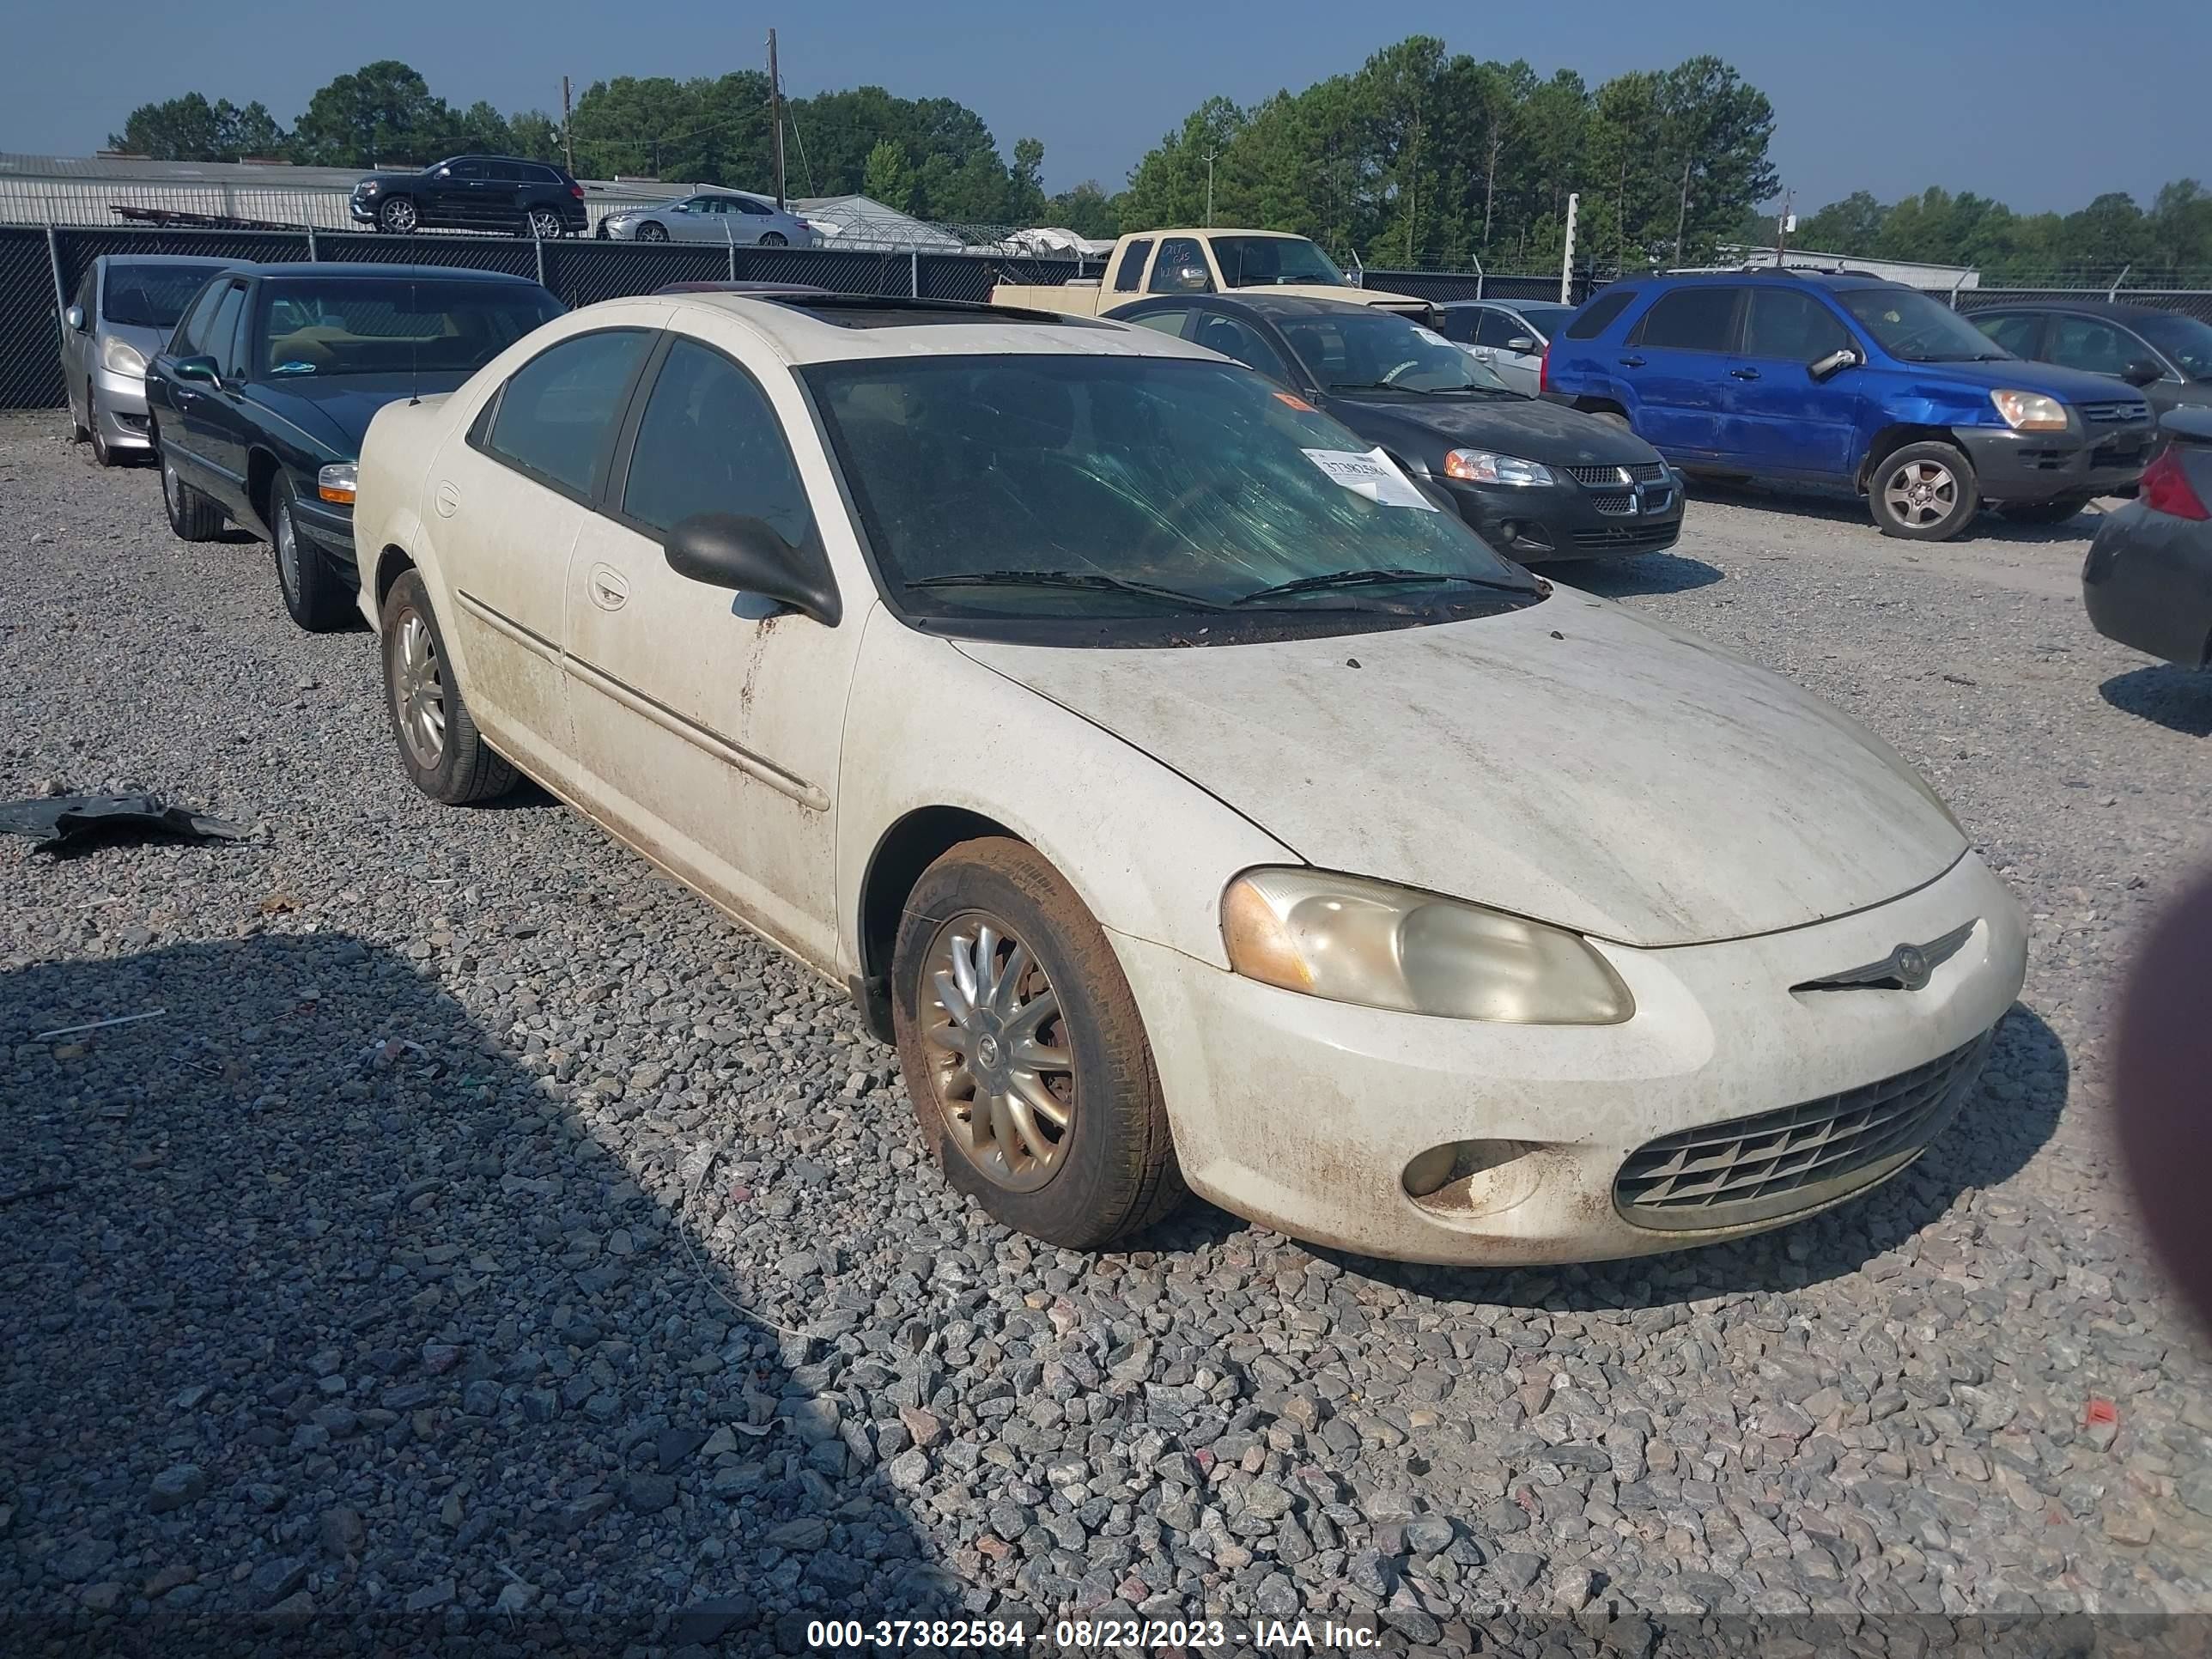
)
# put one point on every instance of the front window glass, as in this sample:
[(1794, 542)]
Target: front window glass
[(1908, 324), (2015, 332), (1347, 348), (1787, 326), (152, 296), (383, 325), (1181, 268), (2091, 345), (2186, 340), (1266, 261), (710, 443), (1132, 488)]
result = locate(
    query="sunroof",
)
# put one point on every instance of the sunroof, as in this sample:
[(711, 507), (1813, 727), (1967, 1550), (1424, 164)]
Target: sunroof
[(883, 311)]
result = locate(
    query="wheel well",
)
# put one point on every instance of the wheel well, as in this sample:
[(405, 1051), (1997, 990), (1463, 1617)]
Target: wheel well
[(390, 563), (908, 848), (1599, 406), (261, 469), (1891, 439)]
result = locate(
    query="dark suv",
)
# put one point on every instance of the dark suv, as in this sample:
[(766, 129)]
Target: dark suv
[(474, 192), (1841, 378)]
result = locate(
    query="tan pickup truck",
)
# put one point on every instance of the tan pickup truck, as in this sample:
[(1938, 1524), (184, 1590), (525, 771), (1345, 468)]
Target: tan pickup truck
[(1203, 262)]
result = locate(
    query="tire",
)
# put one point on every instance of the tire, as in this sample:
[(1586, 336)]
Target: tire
[(2056, 511), (542, 223), (314, 595), (775, 239), (191, 515), (397, 216), (650, 232), (102, 454), (1924, 492), (1109, 1169), (459, 768), (78, 430)]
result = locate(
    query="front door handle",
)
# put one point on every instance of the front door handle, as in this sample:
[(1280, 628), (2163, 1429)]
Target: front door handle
[(609, 589), (1743, 374), (1631, 362)]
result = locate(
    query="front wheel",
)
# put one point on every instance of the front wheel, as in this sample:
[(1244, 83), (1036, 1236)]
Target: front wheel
[(1022, 1049), (313, 596), (397, 216), (2056, 511), (650, 232), (440, 746), (102, 454), (1924, 492), (191, 515)]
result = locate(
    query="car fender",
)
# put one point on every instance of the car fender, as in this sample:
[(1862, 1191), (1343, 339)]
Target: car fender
[(395, 453), (1147, 850)]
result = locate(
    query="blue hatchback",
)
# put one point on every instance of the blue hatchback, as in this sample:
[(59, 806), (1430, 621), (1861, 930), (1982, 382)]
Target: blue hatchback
[(1836, 379)]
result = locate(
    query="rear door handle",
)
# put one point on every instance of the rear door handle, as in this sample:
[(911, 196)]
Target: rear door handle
[(1631, 362), (1743, 374)]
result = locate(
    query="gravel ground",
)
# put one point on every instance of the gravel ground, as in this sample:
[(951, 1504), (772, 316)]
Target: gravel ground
[(488, 1245)]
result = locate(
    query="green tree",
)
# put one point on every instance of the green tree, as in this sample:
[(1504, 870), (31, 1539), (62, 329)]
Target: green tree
[(1852, 225), (535, 135), (1087, 211), (889, 177), (1025, 186), (382, 114), (1168, 186), (190, 129), (1714, 131)]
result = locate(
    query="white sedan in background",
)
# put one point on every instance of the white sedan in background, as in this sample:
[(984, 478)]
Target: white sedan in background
[(1187, 799), (721, 217)]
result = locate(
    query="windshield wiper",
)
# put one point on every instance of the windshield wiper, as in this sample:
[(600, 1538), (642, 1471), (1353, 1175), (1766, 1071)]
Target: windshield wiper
[(1092, 581), (1376, 578)]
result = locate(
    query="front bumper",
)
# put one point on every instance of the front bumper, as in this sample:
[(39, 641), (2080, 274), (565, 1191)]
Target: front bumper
[(363, 208), (2148, 583), (1538, 524), (2040, 467), (327, 525), (1303, 1114), (120, 408)]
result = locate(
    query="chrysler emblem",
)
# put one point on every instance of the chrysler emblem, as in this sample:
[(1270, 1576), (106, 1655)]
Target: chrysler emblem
[(1907, 968), (1911, 963)]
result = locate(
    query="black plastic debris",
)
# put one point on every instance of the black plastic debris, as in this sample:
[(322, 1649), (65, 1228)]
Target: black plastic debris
[(62, 818)]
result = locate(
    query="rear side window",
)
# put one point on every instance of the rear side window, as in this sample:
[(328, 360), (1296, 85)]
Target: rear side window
[(1131, 270), (710, 442), (2094, 345), (560, 409), (1689, 319), (1458, 323), (193, 329), (1594, 318), (2015, 332)]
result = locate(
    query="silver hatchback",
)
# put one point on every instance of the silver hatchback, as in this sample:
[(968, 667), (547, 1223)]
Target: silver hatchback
[(124, 310)]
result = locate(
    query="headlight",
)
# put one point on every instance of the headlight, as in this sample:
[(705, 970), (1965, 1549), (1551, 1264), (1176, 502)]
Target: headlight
[(120, 356), (2030, 411), (1346, 939), (1481, 466), (336, 481)]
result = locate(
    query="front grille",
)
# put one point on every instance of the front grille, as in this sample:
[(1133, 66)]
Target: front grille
[(1775, 1164), (2115, 413), (1618, 505), (1626, 538), (1640, 471), (2121, 451)]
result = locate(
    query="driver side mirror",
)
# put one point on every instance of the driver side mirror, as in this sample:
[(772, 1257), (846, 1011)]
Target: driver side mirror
[(1521, 342), (2142, 371), (747, 555), (1835, 362), (74, 317), (445, 173), (202, 369)]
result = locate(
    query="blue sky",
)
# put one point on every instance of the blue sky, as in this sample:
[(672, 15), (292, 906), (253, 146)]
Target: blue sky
[(2036, 102)]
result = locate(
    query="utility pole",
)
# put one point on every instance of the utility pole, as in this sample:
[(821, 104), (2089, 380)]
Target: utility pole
[(1567, 253), (567, 120), (1210, 155), (1783, 223), (775, 115)]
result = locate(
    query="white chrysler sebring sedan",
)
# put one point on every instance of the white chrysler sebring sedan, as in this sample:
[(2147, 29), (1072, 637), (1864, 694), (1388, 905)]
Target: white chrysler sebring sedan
[(1190, 800)]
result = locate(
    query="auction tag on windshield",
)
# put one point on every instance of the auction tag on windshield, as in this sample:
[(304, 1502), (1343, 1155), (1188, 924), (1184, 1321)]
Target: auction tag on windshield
[(1430, 335), (1373, 475)]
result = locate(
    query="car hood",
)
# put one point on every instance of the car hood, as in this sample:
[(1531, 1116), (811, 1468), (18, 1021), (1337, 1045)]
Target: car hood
[(335, 411), (1531, 428), (2071, 386), (1567, 761)]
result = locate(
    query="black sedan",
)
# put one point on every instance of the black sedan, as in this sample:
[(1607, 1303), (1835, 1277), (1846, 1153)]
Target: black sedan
[(2166, 354), (2149, 581), (259, 404), (1537, 480)]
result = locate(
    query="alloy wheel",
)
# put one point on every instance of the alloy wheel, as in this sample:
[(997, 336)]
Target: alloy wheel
[(774, 239), (544, 223), (1921, 493), (288, 554), (997, 1050), (418, 692), (651, 233), (398, 217)]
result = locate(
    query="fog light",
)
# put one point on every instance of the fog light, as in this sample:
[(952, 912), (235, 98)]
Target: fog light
[(1510, 530), (1465, 1178)]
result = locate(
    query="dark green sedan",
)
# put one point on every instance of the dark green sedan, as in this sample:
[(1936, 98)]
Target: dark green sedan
[(259, 404)]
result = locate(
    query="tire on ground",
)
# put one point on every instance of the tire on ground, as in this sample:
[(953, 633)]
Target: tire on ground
[(191, 515), (1900, 471), (465, 769), (314, 595), (1119, 1173)]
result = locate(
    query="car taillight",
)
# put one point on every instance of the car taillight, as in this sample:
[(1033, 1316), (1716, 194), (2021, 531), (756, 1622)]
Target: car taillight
[(576, 189), (1544, 369), (2167, 489)]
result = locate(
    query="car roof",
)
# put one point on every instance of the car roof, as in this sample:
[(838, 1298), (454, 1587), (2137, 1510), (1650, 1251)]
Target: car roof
[(1508, 302), (1834, 281), (207, 261), (850, 327), (351, 269)]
